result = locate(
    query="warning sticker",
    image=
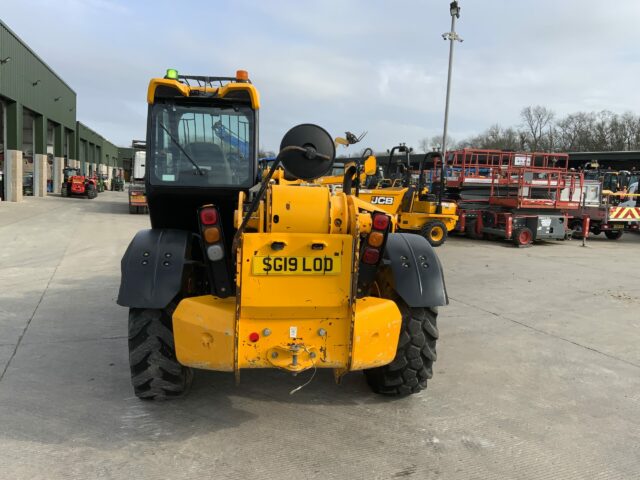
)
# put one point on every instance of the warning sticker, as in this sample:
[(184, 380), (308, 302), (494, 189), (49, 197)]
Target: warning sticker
[(522, 160)]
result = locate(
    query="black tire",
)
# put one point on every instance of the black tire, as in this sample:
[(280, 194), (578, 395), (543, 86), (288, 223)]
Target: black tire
[(470, 230), (522, 237), (155, 371), (576, 226), (613, 234), (435, 232), (413, 365)]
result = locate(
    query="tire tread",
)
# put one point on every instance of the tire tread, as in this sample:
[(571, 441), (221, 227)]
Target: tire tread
[(155, 371), (413, 365)]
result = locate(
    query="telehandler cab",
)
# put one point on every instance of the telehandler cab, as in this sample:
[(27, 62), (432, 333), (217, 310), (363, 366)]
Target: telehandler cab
[(236, 273)]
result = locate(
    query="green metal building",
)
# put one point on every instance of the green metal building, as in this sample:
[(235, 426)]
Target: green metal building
[(39, 133), (95, 153), (125, 160)]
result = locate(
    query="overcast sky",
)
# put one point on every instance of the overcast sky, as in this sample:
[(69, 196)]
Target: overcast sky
[(371, 65)]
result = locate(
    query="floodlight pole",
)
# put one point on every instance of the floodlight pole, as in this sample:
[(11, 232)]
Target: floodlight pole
[(452, 36)]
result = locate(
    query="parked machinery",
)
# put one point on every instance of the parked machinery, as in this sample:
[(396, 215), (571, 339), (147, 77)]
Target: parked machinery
[(27, 184), (613, 181), (117, 182), (282, 275), (76, 184), (522, 197), (609, 213), (137, 192), (102, 182), (399, 190), (418, 210)]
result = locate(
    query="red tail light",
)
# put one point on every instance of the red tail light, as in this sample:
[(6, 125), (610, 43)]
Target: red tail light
[(380, 221), (371, 256), (208, 216)]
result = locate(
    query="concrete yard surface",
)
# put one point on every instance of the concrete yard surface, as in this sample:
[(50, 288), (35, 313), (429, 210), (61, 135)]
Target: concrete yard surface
[(538, 371)]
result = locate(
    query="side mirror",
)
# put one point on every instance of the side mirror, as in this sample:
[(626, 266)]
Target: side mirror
[(307, 152), (370, 166)]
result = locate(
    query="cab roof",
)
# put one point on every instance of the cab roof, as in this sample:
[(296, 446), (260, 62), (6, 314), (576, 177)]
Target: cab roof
[(230, 88)]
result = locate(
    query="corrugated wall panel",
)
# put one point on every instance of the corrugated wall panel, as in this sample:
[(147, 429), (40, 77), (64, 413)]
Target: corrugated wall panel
[(103, 147), (18, 75)]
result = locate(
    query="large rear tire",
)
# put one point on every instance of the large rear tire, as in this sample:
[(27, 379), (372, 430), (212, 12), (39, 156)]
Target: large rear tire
[(435, 232), (413, 365), (613, 234), (155, 371)]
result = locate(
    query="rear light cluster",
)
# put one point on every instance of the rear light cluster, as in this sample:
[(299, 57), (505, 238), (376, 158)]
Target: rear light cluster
[(375, 240), (210, 228)]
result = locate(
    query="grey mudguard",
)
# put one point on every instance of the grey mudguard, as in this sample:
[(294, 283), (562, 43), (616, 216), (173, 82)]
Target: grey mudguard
[(152, 268), (417, 272)]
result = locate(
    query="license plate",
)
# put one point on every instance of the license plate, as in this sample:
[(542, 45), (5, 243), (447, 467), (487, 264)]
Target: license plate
[(617, 226), (275, 265)]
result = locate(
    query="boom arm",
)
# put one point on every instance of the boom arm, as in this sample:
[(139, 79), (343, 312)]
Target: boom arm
[(228, 136)]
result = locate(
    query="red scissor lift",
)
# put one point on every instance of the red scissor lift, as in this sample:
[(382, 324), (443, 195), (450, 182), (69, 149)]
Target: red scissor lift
[(521, 197)]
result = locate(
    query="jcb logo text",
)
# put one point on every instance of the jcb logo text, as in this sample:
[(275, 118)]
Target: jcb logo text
[(382, 200)]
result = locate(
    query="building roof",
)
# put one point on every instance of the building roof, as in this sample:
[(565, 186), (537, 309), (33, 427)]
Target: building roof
[(24, 44)]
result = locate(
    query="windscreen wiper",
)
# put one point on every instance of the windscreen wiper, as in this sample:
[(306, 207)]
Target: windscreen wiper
[(198, 169)]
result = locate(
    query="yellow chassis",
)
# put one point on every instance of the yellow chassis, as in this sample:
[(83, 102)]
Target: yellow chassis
[(300, 320), (209, 335), (419, 213), (416, 221)]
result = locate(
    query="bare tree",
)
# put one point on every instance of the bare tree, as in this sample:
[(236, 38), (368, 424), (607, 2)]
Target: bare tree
[(535, 122), (617, 133), (602, 130), (502, 139), (495, 138), (425, 145), (580, 131), (631, 130), (262, 153), (570, 131), (435, 143)]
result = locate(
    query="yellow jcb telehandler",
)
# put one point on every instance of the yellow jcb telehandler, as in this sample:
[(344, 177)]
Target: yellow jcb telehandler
[(397, 192), (237, 273)]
